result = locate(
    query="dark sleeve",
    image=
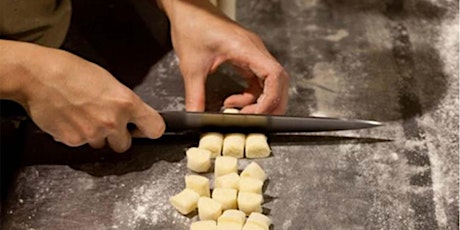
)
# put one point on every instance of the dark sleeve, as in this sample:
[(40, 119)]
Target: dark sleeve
[(43, 22)]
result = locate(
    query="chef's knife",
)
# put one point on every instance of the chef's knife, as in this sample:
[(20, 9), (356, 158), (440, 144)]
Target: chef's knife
[(178, 121)]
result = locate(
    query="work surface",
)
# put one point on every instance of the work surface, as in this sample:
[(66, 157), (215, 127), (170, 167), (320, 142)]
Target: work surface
[(396, 62)]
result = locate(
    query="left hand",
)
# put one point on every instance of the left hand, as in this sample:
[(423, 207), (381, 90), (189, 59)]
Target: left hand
[(204, 38)]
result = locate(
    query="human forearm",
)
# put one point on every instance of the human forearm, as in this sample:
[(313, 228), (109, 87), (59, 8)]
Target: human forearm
[(14, 70), (176, 9)]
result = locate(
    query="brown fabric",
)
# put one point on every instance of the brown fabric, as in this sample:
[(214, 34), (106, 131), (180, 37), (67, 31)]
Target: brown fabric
[(44, 22)]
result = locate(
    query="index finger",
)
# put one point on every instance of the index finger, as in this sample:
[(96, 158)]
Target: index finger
[(148, 122), (275, 89)]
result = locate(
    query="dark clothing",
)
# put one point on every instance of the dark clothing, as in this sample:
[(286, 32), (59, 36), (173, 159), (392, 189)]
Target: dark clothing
[(43, 22)]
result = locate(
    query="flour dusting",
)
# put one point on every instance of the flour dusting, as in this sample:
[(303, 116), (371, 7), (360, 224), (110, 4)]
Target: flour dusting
[(148, 204)]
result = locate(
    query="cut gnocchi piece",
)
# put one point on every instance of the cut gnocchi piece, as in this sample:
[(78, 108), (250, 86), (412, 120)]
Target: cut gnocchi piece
[(233, 215), (249, 184), (209, 209), (204, 225), (249, 202), (231, 110), (256, 146), (255, 171), (198, 160), (230, 180), (225, 225), (212, 141), (259, 219), (234, 145), (252, 226), (226, 197), (199, 184), (225, 165), (185, 202)]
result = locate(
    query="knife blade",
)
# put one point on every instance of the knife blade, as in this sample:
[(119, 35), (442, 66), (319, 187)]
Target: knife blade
[(179, 121)]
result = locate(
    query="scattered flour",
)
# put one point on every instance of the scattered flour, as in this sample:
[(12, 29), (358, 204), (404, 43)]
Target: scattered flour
[(148, 204)]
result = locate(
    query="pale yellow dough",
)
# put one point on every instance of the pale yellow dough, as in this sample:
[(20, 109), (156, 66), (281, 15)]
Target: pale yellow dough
[(230, 180), (198, 160), (225, 165), (234, 145), (199, 184), (212, 141), (226, 197), (185, 201), (254, 170), (252, 226), (228, 225), (209, 209), (249, 202), (233, 215), (249, 184), (256, 146), (204, 225), (259, 219)]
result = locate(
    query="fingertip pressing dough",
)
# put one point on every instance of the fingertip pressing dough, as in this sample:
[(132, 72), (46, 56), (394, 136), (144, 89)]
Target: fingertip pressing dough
[(233, 215), (259, 219), (249, 202), (230, 180), (209, 209), (199, 184), (249, 184), (234, 145), (256, 146), (225, 165), (185, 201), (226, 197), (255, 171), (204, 225), (212, 141), (198, 160)]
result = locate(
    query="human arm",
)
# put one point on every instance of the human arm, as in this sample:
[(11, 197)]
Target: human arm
[(204, 38), (73, 100)]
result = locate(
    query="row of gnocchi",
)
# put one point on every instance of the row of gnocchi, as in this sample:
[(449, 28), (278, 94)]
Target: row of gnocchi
[(233, 198)]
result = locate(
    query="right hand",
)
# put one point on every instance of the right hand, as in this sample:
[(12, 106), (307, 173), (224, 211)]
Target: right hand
[(78, 102)]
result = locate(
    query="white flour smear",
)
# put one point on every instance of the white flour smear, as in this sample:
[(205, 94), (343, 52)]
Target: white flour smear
[(148, 204)]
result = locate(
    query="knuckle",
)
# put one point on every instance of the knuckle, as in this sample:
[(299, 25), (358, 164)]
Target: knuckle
[(74, 140), (109, 123)]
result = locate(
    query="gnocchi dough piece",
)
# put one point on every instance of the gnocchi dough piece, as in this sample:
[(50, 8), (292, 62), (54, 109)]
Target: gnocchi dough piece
[(198, 160), (204, 225), (230, 180), (234, 145), (225, 165), (249, 202), (256, 146), (233, 215), (185, 201), (226, 197), (252, 226), (226, 225), (231, 110), (212, 141), (199, 184), (259, 219), (209, 209), (255, 171), (249, 184)]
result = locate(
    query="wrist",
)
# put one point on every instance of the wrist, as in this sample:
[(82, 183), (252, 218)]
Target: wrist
[(17, 64)]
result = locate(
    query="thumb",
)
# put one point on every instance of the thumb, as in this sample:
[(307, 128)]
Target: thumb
[(148, 122), (195, 92)]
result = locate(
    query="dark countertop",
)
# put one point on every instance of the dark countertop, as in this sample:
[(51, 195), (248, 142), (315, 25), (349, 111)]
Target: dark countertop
[(392, 61)]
